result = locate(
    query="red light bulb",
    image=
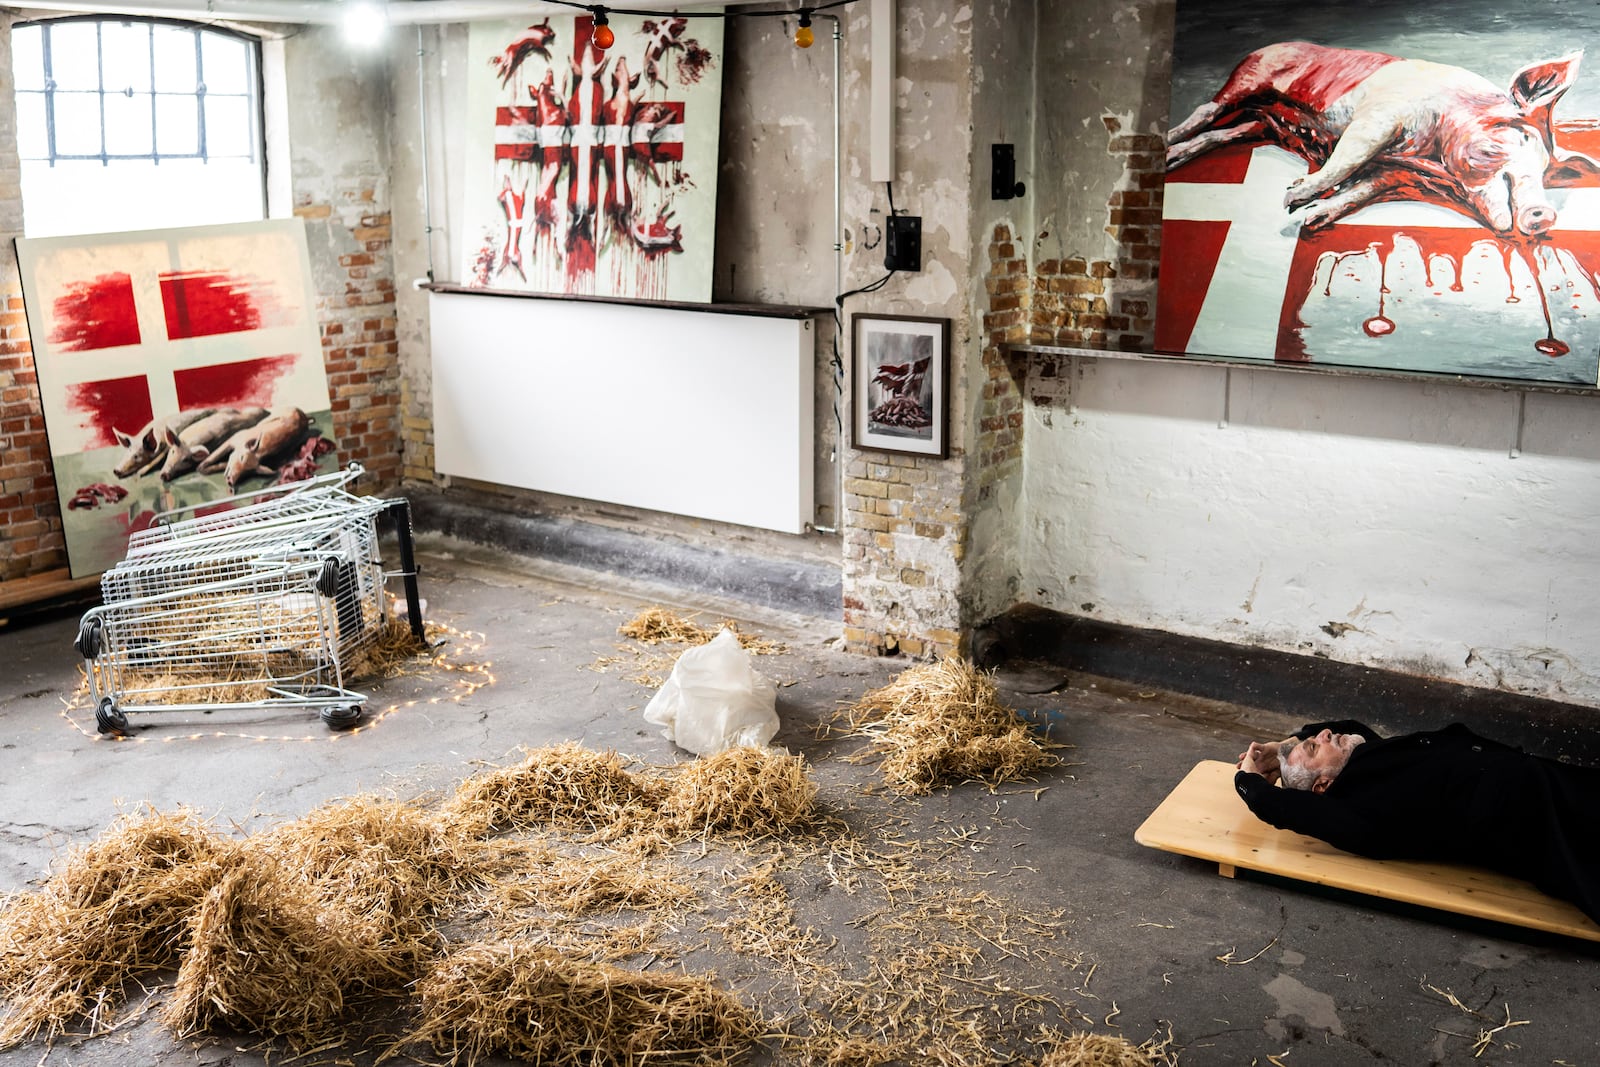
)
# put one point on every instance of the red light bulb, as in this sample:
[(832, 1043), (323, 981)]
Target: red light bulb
[(603, 37)]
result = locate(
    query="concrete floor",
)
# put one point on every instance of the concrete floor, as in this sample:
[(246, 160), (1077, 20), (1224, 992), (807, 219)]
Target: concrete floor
[(1333, 979)]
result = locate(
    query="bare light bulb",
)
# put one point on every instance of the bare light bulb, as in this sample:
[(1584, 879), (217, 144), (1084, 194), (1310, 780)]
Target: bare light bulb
[(604, 36), (365, 23), (804, 37)]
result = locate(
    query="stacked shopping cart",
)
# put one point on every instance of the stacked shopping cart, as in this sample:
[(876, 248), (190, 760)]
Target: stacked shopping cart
[(267, 600)]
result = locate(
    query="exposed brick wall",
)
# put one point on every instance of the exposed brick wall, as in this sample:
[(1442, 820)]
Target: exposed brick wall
[(904, 538), (358, 335), (1110, 303), (998, 454), (31, 540)]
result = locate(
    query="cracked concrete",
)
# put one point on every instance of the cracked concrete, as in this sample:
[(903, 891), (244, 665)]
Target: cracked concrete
[(1334, 979)]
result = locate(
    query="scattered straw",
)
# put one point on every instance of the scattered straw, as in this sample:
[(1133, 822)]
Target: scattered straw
[(564, 785), (532, 1003), (586, 883), (336, 905), (1098, 1050), (743, 791), (656, 625), (942, 722), (116, 910), (393, 649)]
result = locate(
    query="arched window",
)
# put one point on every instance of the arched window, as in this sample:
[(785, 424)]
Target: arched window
[(126, 123)]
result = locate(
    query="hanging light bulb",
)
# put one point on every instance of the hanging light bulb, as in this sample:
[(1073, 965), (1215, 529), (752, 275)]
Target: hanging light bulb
[(604, 36), (803, 37), (365, 22)]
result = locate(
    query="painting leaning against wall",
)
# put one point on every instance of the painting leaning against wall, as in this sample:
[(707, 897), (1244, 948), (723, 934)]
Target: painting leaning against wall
[(1396, 186), (593, 170), (175, 368)]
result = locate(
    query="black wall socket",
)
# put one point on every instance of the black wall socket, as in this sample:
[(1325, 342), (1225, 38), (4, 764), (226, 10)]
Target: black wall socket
[(902, 243)]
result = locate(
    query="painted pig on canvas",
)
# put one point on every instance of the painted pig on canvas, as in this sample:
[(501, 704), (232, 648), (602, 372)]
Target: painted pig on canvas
[(1376, 127)]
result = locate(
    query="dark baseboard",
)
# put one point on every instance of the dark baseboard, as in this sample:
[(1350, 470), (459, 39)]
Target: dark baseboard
[(1309, 688), (799, 586)]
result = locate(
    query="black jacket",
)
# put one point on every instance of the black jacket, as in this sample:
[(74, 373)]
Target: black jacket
[(1452, 796)]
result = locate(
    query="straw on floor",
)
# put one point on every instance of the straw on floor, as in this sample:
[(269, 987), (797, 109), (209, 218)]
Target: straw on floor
[(942, 723), (533, 1003), (117, 909)]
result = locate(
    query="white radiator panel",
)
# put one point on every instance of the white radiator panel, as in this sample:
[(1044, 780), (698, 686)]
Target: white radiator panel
[(688, 412)]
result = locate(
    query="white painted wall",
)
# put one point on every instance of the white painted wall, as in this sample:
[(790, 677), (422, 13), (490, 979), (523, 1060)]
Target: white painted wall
[(1393, 509)]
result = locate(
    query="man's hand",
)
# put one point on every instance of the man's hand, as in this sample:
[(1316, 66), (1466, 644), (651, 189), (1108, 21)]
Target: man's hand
[(1261, 759)]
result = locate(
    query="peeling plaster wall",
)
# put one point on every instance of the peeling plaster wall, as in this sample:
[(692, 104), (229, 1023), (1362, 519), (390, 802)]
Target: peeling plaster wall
[(905, 531), (1374, 522), (1095, 60), (1002, 113), (775, 199)]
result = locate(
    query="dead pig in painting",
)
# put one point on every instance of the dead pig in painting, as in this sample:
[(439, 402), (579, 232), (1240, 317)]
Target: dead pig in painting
[(1375, 127)]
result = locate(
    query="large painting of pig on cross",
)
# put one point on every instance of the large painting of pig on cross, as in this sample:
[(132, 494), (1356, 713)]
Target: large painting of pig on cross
[(176, 368), (593, 170), (1392, 186)]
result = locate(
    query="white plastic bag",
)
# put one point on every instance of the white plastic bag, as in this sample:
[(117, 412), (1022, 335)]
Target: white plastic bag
[(715, 700)]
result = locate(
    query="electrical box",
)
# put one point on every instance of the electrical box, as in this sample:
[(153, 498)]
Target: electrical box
[(903, 243), (1003, 184)]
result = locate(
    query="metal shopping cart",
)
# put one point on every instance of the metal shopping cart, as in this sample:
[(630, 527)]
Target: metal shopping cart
[(267, 602)]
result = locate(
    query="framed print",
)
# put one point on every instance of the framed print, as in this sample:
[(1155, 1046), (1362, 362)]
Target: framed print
[(901, 383)]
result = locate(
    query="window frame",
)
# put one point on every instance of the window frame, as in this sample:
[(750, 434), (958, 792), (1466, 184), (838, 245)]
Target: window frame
[(254, 81)]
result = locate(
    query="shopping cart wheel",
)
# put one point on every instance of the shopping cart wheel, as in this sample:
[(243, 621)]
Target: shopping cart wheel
[(109, 719), (341, 716), (90, 635), (328, 579)]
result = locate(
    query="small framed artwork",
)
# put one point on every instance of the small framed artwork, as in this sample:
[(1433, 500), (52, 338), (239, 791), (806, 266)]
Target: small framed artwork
[(901, 384)]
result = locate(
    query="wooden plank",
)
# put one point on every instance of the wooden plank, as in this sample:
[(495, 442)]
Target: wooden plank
[(21, 592), (1205, 817)]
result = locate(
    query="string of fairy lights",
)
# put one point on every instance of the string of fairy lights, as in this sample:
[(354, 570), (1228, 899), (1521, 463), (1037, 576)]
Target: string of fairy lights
[(458, 653), (604, 37)]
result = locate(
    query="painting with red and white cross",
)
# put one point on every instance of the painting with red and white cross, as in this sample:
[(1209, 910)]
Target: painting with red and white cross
[(1401, 186), (593, 170), (177, 369)]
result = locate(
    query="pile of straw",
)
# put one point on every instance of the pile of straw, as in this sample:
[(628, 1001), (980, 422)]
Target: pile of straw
[(577, 885), (563, 785), (743, 792), (1099, 1050), (654, 626), (391, 650), (942, 723), (530, 1002), (341, 903), (117, 909), (266, 960)]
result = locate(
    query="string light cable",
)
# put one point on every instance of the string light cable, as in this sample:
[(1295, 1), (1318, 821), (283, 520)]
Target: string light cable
[(604, 36)]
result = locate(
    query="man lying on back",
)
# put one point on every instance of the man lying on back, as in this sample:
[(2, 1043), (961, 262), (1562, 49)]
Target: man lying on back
[(1443, 795)]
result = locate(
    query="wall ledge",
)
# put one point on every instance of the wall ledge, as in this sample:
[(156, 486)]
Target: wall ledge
[(768, 311), (1032, 351)]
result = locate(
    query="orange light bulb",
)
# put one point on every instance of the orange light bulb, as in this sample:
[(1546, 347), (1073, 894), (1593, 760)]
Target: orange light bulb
[(603, 37), (803, 37)]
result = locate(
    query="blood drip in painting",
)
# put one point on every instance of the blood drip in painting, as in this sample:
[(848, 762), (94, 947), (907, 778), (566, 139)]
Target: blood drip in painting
[(95, 314), (1325, 250)]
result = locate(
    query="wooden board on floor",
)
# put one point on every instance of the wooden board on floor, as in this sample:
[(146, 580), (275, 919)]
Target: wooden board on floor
[(1205, 817), (22, 592)]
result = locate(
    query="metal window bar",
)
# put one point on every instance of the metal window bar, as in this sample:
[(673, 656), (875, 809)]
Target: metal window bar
[(252, 78)]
